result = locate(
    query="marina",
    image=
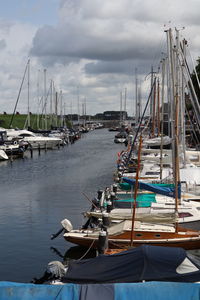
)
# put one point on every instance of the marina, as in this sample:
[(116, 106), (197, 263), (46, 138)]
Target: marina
[(99, 150), (37, 193)]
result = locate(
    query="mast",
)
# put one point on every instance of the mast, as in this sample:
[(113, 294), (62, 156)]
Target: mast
[(28, 115), (182, 127), (162, 117), (78, 100), (45, 100), (56, 109), (136, 98), (51, 102), (154, 111), (135, 190), (125, 94), (10, 125), (158, 107), (38, 99), (120, 116)]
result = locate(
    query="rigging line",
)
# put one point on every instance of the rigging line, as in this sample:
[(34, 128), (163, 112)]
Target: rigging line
[(191, 124), (160, 47), (19, 94), (139, 125), (197, 78)]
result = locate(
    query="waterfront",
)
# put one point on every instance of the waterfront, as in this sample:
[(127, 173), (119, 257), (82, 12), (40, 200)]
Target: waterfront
[(36, 194)]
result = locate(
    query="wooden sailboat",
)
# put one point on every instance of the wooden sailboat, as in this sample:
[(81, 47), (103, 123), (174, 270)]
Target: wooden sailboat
[(133, 233)]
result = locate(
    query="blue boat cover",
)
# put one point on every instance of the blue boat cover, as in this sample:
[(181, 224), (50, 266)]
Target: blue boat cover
[(127, 187), (149, 263), (157, 291), (22, 291), (162, 190), (119, 291), (142, 200)]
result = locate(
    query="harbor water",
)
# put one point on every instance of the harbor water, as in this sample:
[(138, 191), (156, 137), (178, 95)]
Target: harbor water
[(37, 193)]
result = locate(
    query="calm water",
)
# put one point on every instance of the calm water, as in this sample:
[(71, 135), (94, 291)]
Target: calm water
[(36, 194)]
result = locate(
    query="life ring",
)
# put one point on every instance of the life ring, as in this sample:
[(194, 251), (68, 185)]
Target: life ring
[(15, 143)]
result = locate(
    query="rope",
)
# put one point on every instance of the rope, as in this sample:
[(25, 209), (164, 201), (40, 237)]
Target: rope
[(87, 250)]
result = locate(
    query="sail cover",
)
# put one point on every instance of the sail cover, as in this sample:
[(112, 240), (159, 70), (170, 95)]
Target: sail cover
[(158, 189), (149, 263)]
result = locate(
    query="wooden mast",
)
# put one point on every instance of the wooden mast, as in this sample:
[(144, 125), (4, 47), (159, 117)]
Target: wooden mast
[(154, 111), (158, 107), (135, 190)]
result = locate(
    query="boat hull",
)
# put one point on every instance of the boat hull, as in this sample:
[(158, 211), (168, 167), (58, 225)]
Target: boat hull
[(187, 244)]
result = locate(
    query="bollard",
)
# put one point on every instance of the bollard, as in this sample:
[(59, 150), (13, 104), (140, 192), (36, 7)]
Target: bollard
[(38, 149)]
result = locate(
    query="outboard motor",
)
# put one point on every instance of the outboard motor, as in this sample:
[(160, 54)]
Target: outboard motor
[(100, 192), (107, 193), (102, 242), (66, 226), (101, 197)]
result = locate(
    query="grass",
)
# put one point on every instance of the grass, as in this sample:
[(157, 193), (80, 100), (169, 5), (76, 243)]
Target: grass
[(20, 121)]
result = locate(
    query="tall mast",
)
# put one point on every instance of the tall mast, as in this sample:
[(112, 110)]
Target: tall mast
[(28, 115), (38, 99), (45, 98), (136, 189), (61, 108), (158, 107), (182, 127), (125, 94), (154, 111), (162, 117), (121, 117), (78, 100), (136, 97)]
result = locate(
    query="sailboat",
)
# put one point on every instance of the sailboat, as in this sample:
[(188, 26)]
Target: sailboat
[(133, 233)]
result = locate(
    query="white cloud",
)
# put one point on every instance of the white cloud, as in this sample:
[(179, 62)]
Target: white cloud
[(95, 45)]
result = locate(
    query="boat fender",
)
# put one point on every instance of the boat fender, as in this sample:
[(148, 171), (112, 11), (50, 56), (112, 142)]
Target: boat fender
[(109, 206), (114, 188), (102, 242), (120, 168), (105, 219), (120, 174), (112, 196)]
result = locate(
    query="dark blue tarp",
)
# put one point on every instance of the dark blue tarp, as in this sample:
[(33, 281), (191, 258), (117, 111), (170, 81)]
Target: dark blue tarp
[(143, 263), (166, 191)]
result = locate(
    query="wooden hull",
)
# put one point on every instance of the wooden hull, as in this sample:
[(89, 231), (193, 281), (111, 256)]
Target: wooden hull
[(186, 239), (117, 244)]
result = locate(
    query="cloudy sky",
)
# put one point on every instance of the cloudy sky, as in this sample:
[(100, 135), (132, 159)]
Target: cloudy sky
[(88, 47)]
